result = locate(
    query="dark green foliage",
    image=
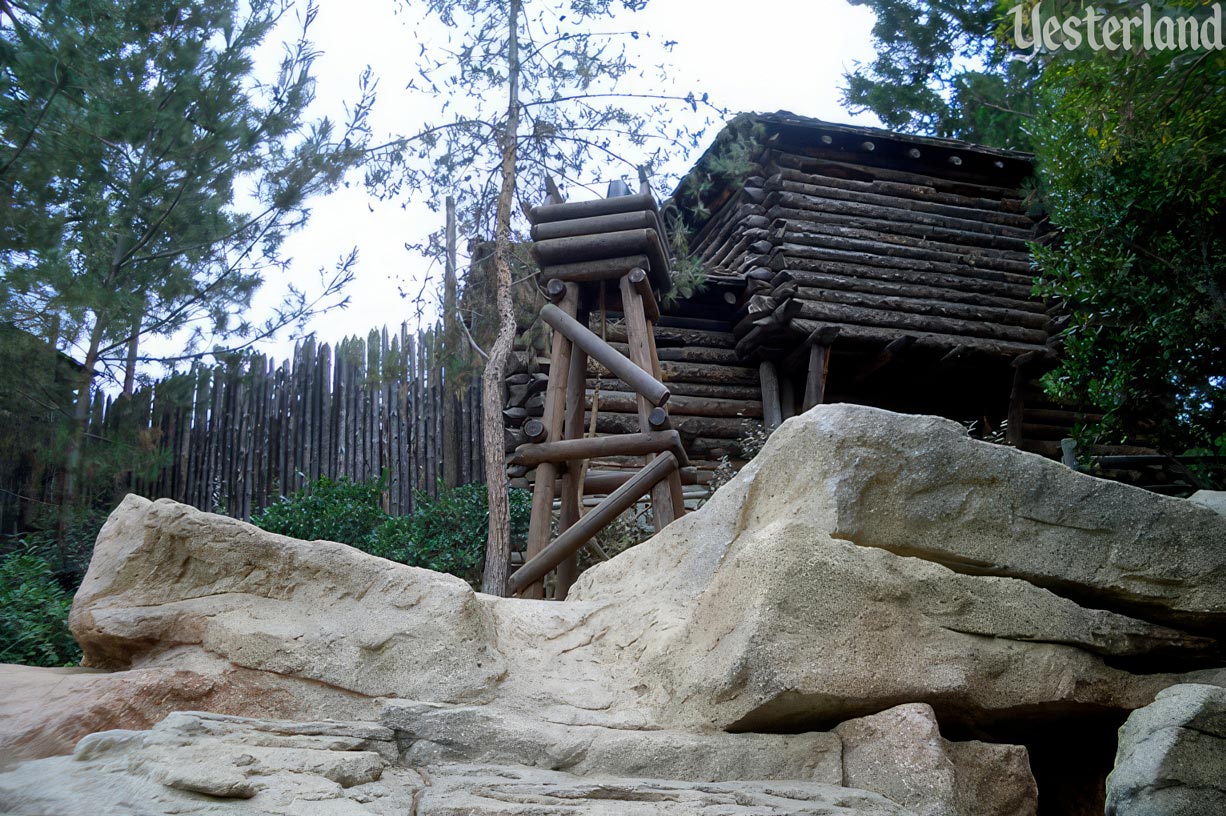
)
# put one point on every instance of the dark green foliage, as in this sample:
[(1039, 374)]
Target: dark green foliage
[(941, 70), (70, 556), (1130, 156), (34, 614), (448, 534), (338, 510)]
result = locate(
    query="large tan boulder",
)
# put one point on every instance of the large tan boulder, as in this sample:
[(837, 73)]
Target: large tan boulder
[(166, 575), (901, 754), (210, 765), (45, 712), (759, 612)]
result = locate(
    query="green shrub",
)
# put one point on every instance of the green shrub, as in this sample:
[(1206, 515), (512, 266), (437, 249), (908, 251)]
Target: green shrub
[(34, 614), (342, 511), (69, 558), (448, 533), (445, 534)]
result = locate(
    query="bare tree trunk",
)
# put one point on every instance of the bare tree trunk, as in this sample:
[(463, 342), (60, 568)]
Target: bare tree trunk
[(498, 544), (451, 345), (129, 370)]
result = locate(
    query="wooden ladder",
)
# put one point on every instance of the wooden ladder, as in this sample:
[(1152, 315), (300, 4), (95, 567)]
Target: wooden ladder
[(583, 247)]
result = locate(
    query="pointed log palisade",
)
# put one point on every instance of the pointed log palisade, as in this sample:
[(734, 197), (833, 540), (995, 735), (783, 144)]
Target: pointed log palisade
[(608, 250)]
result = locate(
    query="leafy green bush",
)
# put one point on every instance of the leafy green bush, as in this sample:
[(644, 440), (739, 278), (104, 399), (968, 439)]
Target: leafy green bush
[(339, 510), (445, 534), (448, 533), (34, 614), (69, 557)]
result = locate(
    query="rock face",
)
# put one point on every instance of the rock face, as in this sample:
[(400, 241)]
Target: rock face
[(165, 574), (867, 577), (901, 753), (1172, 756)]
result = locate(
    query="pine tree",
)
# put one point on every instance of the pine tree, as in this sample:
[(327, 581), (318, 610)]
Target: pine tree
[(148, 176)]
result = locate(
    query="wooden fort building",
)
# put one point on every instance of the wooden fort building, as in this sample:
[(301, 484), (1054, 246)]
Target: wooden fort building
[(842, 264)]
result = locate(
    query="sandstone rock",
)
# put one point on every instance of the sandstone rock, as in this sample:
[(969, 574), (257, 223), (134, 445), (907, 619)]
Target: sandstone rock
[(1213, 499), (194, 763), (165, 574), (44, 712), (468, 790), (431, 733), (761, 613), (984, 508), (863, 561), (1172, 756), (799, 630), (918, 486), (900, 754)]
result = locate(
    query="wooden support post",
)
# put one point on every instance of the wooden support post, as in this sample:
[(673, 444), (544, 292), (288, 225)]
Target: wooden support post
[(772, 406), (574, 475), (815, 379), (638, 331), (1015, 426), (602, 514), (639, 379), (553, 419), (787, 398)]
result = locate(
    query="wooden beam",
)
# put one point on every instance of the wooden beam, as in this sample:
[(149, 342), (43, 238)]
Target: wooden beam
[(641, 381), (823, 335), (585, 271), (572, 482), (598, 447), (787, 398), (642, 285), (602, 514), (613, 222), (590, 209)]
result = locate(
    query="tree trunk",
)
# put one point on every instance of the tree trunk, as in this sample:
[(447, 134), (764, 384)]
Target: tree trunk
[(498, 544), (451, 352), (76, 437), (129, 370)]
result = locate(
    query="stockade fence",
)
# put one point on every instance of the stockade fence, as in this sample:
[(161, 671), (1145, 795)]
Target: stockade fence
[(235, 436)]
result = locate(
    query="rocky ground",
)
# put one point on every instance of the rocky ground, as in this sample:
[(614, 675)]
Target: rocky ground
[(877, 616)]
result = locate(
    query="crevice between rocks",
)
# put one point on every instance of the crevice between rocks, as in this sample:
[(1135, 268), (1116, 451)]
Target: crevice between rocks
[(1071, 746), (1156, 662)]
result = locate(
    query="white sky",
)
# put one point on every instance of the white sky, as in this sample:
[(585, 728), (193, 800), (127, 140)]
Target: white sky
[(764, 56)]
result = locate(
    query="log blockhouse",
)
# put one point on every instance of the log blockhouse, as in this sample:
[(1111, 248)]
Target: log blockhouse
[(845, 264)]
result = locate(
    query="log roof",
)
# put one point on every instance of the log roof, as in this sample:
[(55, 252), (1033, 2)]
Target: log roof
[(867, 235)]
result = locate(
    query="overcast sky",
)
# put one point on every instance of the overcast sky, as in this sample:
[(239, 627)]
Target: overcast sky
[(763, 56)]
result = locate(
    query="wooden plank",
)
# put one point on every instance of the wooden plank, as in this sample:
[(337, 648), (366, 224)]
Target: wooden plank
[(772, 406), (554, 419), (597, 447), (641, 381), (582, 532), (815, 379), (638, 332)]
